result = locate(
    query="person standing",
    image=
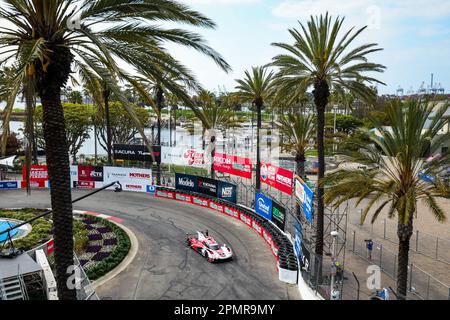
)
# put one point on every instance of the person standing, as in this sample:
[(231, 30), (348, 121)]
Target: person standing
[(369, 245)]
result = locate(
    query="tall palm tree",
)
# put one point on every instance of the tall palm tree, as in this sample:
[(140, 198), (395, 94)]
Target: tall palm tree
[(394, 180), (321, 60), (257, 87), (214, 117), (54, 37)]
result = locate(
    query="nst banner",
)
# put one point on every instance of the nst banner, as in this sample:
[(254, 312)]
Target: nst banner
[(234, 165), (207, 186), (183, 156), (279, 178), (263, 206), (304, 197), (131, 179), (133, 152)]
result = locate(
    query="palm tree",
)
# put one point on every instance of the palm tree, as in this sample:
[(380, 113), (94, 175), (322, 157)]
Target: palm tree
[(50, 40), (299, 130), (394, 178), (214, 117), (320, 60), (257, 87)]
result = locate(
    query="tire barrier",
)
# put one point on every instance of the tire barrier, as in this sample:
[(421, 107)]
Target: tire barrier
[(279, 244)]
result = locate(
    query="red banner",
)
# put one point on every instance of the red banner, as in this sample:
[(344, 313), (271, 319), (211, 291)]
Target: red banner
[(183, 198), (234, 165), (200, 202), (38, 174), (279, 178), (165, 194)]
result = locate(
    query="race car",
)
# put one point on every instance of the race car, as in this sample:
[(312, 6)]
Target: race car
[(205, 244)]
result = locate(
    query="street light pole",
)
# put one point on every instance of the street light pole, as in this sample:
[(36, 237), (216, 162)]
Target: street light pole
[(106, 94)]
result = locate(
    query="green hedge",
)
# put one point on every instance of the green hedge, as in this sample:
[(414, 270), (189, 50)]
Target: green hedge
[(42, 229), (118, 254)]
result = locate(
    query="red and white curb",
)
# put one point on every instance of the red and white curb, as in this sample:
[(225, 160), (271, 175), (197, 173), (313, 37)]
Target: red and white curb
[(99, 215)]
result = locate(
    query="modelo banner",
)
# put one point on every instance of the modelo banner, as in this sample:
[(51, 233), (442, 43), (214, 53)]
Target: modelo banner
[(207, 186), (279, 178), (183, 156), (131, 179), (234, 165), (136, 153)]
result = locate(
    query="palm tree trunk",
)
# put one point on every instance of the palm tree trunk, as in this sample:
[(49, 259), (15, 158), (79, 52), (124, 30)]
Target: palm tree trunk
[(321, 94), (61, 198), (404, 233), (258, 153)]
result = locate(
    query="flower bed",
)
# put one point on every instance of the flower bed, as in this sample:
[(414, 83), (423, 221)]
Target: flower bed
[(41, 231), (108, 245)]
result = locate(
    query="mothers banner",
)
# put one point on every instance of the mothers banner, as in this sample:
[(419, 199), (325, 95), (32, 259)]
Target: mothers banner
[(279, 178), (131, 179), (234, 165)]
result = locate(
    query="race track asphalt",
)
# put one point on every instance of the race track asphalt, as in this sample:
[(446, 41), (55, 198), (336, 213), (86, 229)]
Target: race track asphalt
[(164, 268)]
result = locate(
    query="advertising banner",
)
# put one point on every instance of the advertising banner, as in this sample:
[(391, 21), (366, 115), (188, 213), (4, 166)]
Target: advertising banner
[(263, 206), (278, 215), (305, 258), (304, 197), (183, 198), (207, 186), (131, 179), (279, 178), (298, 243), (165, 194), (183, 156), (84, 184), (38, 175), (185, 182), (227, 191), (9, 185), (231, 212), (234, 165), (90, 173), (200, 202), (136, 153), (216, 206), (73, 174)]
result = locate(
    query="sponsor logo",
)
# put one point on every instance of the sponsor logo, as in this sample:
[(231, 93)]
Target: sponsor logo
[(264, 172), (186, 182), (231, 212), (215, 206), (151, 189), (182, 197), (193, 157), (9, 185), (263, 206), (133, 187), (227, 192), (140, 175), (256, 227), (200, 202), (163, 194), (246, 220), (267, 237)]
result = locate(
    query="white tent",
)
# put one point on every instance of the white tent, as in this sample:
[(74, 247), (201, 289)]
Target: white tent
[(8, 162)]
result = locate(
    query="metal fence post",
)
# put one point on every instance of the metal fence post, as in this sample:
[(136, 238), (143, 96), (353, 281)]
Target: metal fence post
[(437, 247), (354, 240), (384, 234), (381, 255), (417, 240)]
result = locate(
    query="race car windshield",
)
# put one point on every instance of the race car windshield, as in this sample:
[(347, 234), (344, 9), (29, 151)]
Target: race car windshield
[(213, 246)]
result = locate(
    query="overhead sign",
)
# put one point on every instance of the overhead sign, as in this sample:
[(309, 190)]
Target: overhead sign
[(304, 197), (263, 206), (133, 152), (279, 178), (234, 165)]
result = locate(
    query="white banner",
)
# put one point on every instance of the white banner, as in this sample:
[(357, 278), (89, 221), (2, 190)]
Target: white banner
[(183, 156), (131, 179)]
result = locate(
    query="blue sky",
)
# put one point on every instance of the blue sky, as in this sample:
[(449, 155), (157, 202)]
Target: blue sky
[(415, 35)]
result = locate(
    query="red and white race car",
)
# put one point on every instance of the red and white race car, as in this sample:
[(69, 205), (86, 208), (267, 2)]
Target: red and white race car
[(204, 244)]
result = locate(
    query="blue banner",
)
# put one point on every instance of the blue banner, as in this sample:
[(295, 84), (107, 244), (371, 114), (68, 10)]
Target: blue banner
[(298, 243), (186, 182), (227, 191), (304, 197), (263, 206), (9, 185)]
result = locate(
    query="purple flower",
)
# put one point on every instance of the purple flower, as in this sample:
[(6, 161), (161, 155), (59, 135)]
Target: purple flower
[(96, 236), (100, 256), (104, 230), (88, 221), (110, 242), (83, 262), (92, 249)]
